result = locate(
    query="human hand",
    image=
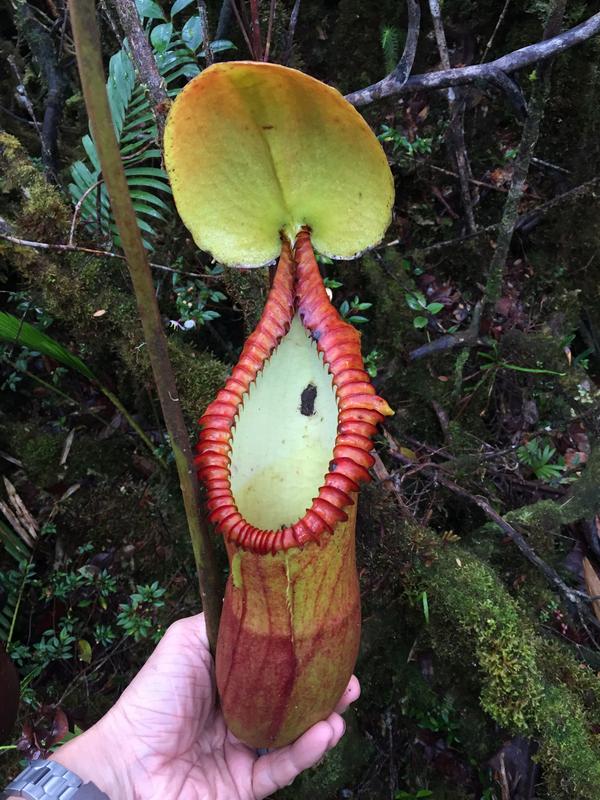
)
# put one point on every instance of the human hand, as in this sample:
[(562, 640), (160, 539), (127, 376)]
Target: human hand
[(165, 738)]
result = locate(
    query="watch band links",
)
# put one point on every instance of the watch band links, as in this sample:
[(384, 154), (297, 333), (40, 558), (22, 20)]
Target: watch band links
[(48, 780)]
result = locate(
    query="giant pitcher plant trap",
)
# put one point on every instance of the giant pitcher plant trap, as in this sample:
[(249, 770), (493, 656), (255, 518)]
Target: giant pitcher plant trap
[(265, 161)]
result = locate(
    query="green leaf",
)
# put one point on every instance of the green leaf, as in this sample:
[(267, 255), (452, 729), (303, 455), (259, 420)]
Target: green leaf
[(149, 183), (218, 46), (416, 301), (420, 322), (192, 33), (160, 36), (425, 604), (15, 330), (332, 283), (154, 171), (435, 308), (149, 9), (179, 5), (85, 651), (139, 194), (144, 208)]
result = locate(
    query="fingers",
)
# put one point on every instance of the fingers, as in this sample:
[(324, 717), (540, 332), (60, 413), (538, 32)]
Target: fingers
[(351, 695), (279, 768), (191, 629)]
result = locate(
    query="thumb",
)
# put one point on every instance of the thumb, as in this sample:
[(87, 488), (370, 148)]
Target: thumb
[(277, 769)]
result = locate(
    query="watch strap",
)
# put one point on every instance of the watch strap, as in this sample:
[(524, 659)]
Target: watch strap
[(49, 780)]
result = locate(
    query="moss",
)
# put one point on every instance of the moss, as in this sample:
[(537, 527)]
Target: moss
[(582, 502), (199, 376), (514, 689), (41, 210), (569, 753), (38, 451), (481, 610), (524, 682), (248, 289), (562, 668), (338, 769)]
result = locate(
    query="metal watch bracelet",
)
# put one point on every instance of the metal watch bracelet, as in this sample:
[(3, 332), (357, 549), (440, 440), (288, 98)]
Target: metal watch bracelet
[(48, 780)]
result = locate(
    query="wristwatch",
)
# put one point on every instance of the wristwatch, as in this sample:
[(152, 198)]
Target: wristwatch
[(48, 780)]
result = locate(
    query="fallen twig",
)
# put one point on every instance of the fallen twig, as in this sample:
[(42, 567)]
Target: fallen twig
[(577, 598)]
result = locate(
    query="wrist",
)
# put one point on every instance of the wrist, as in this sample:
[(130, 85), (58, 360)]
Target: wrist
[(97, 756)]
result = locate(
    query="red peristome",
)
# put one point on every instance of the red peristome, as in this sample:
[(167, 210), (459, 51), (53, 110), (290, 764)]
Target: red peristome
[(297, 286)]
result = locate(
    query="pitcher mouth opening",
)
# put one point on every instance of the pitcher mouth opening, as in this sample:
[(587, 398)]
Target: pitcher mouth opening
[(285, 444)]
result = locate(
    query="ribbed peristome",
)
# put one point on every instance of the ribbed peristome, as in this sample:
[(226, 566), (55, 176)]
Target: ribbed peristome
[(297, 289)]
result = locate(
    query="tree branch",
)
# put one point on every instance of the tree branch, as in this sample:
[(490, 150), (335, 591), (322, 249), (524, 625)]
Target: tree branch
[(529, 137), (74, 248), (405, 65), (289, 45), (203, 13), (145, 64), (43, 49), (224, 19), (442, 79), (398, 78), (456, 131)]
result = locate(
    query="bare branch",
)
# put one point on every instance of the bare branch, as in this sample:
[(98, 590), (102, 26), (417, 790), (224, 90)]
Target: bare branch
[(405, 65), (529, 137), (287, 54), (143, 58), (269, 30), (224, 19), (398, 78), (74, 248), (490, 42), (511, 89), (242, 24), (456, 128), (203, 13), (442, 79)]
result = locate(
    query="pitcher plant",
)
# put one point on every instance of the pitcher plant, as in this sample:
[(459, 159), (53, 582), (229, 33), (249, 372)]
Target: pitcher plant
[(265, 161)]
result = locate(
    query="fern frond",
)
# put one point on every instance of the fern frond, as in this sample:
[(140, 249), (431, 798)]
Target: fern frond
[(390, 44), (136, 132), (176, 53)]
